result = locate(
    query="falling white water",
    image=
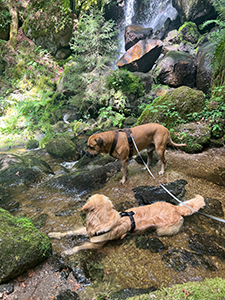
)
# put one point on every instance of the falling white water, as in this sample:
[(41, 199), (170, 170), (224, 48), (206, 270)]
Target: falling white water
[(129, 12), (154, 16)]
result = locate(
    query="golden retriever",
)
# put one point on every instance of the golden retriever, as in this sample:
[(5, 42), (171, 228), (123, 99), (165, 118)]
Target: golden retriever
[(104, 223)]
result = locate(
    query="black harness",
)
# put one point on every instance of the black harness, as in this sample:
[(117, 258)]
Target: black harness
[(129, 138), (130, 215)]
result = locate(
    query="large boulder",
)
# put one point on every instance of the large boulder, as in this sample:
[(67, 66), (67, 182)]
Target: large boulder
[(142, 56), (176, 104), (22, 246), (196, 11), (17, 169), (51, 28), (204, 74), (176, 69), (188, 32), (82, 182), (62, 147), (135, 33), (196, 136)]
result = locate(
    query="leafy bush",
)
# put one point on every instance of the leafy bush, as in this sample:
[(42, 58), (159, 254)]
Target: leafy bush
[(94, 43), (125, 81)]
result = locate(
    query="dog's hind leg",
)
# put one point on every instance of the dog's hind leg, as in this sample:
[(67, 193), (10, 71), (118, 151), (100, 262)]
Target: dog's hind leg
[(59, 235), (170, 230), (150, 149)]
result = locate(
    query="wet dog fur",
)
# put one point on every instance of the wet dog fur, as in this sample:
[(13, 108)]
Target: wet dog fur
[(104, 223)]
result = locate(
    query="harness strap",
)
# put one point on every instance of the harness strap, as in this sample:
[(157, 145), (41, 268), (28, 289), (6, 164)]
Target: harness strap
[(130, 215), (114, 142), (129, 138)]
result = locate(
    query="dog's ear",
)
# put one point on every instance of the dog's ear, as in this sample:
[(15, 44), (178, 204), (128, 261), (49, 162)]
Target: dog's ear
[(88, 207), (99, 142)]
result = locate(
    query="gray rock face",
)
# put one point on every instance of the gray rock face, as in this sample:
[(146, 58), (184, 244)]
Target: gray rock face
[(176, 69)]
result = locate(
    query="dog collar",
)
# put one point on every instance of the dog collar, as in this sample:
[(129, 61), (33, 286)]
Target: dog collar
[(130, 215)]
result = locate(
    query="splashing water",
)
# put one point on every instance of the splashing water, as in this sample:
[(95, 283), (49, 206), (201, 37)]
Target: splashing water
[(129, 12)]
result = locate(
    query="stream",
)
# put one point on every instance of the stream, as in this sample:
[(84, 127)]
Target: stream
[(124, 264)]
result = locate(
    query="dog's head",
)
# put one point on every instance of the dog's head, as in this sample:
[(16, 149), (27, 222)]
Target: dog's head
[(101, 215), (95, 143)]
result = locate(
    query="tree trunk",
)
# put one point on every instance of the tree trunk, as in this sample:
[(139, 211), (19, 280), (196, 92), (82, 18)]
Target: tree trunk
[(14, 24)]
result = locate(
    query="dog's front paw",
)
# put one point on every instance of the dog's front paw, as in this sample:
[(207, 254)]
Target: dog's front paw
[(69, 252), (123, 180), (55, 235)]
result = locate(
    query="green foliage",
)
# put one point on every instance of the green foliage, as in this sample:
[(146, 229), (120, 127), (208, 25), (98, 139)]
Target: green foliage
[(125, 81), (109, 117), (94, 43), (209, 289), (5, 18), (214, 112)]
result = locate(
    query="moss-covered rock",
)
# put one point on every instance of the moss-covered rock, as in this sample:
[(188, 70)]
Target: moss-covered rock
[(53, 30), (188, 32), (62, 147), (175, 106), (22, 246), (196, 136)]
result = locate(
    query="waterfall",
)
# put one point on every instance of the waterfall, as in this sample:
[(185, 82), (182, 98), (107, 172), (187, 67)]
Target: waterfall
[(154, 13), (148, 13), (129, 11)]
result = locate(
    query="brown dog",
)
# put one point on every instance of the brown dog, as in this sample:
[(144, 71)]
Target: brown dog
[(104, 223), (151, 136)]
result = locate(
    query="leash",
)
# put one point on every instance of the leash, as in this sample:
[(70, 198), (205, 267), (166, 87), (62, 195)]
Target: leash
[(162, 186)]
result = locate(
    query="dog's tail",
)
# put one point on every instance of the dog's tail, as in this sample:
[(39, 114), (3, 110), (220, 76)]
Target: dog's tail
[(195, 204), (174, 144)]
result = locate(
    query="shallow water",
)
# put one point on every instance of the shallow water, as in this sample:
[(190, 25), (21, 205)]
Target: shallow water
[(126, 266)]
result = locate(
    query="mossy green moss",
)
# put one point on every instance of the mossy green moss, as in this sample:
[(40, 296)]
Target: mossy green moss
[(175, 107), (209, 289), (22, 246)]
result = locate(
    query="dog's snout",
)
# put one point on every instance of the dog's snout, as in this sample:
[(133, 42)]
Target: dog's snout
[(90, 155)]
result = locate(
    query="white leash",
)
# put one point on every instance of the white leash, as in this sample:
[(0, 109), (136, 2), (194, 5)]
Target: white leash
[(162, 186)]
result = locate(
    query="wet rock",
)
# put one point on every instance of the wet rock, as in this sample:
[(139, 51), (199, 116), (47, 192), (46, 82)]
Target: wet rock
[(142, 56), (129, 292), (67, 295), (66, 212), (152, 244), (135, 33), (213, 207), (84, 181), (32, 144), (22, 246), (62, 147), (17, 171), (196, 136), (181, 102), (179, 260), (148, 195), (204, 74), (100, 160), (188, 32), (40, 221), (208, 245), (195, 11), (86, 266), (176, 69), (7, 287)]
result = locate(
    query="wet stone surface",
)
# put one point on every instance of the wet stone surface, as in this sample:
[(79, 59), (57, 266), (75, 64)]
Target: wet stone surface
[(137, 262)]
